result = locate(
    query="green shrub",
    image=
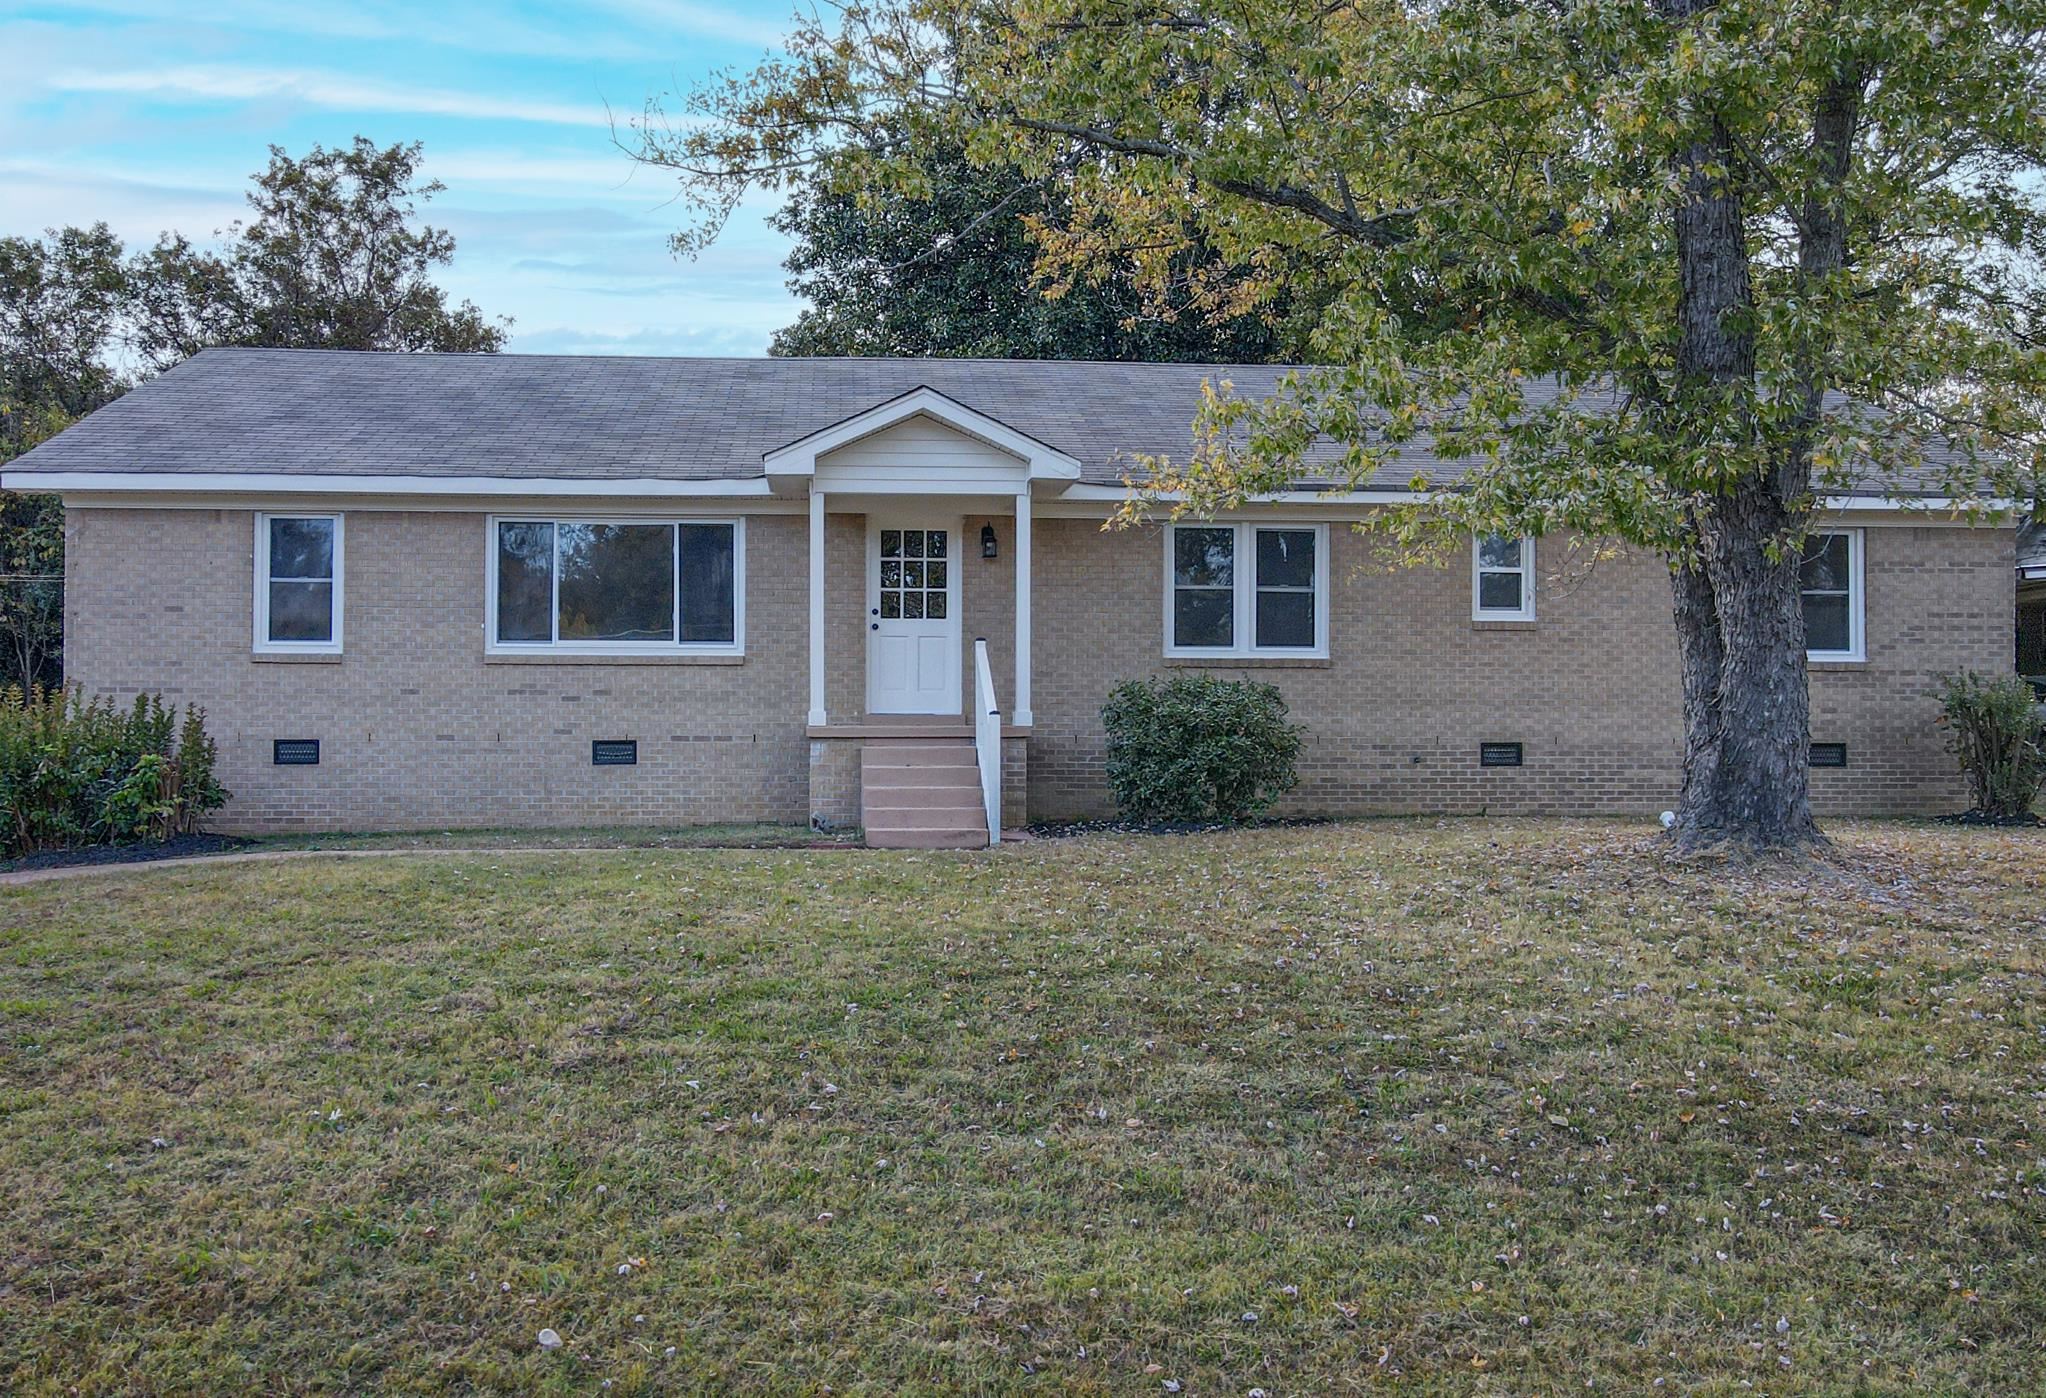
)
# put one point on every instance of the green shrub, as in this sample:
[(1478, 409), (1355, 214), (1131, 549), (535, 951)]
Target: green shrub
[(1198, 748), (1993, 728), (76, 772)]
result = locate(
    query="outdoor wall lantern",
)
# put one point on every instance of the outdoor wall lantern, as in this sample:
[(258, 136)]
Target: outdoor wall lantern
[(987, 542)]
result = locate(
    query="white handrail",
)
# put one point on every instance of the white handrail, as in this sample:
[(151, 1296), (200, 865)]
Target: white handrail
[(987, 740)]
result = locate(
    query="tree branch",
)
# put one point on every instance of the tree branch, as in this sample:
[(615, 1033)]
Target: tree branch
[(1378, 230)]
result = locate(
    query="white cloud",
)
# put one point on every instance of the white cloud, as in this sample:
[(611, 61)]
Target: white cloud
[(338, 92), (328, 21), (730, 341), (135, 206), (485, 29), (708, 21), (492, 167)]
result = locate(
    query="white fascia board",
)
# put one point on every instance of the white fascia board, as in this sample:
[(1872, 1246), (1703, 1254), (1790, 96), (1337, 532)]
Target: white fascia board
[(1116, 494), (799, 458), (292, 483), (1918, 504)]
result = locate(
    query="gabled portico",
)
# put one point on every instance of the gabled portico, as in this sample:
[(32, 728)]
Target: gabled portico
[(916, 466)]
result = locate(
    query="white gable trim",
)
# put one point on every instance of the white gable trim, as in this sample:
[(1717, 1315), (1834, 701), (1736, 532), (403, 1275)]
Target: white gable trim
[(797, 461)]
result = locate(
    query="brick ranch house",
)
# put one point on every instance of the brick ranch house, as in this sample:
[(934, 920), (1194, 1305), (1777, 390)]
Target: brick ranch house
[(424, 591)]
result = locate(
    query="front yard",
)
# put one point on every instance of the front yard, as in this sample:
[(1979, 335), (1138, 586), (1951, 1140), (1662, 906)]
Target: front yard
[(1471, 1106)]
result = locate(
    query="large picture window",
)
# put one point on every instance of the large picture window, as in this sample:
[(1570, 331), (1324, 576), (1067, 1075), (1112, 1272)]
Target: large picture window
[(615, 587), (1246, 590), (1829, 577), (298, 584)]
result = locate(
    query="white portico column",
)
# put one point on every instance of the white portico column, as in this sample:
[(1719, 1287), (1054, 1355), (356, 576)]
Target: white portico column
[(1022, 607), (816, 607)]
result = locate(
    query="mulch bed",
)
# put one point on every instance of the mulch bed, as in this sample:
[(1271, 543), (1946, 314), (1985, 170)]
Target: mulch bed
[(1984, 818), (1068, 829), (141, 852)]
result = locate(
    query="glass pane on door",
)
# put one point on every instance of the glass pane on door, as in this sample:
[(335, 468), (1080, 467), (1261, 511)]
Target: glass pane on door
[(913, 575)]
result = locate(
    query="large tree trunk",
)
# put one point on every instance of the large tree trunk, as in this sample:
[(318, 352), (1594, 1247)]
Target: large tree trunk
[(1747, 709), (1703, 660), (1739, 616)]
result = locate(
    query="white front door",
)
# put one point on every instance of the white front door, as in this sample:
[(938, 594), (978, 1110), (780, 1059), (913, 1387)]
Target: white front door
[(913, 662)]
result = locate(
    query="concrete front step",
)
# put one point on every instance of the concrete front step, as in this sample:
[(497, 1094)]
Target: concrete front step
[(936, 756), (921, 795), (927, 839), (946, 815), (880, 799)]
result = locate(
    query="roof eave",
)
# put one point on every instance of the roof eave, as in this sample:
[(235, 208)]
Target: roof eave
[(141, 483)]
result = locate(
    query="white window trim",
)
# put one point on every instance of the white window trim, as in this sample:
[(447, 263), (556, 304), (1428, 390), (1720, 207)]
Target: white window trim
[(1857, 600), (1526, 610), (493, 646), (263, 644), (1245, 593)]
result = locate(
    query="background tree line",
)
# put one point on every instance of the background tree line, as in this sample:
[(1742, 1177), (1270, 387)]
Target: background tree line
[(332, 256), (948, 267)]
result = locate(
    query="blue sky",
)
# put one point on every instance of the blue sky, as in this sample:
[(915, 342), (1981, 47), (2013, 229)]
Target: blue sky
[(151, 116)]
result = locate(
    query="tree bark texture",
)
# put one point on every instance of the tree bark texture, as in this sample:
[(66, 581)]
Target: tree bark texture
[(1738, 609)]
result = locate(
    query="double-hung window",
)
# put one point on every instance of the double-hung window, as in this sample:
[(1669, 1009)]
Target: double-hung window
[(616, 587), (1246, 590), (1502, 577), (298, 584), (1829, 576)]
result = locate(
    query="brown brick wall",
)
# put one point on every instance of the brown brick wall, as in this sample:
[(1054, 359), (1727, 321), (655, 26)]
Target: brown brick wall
[(990, 606), (835, 784), (845, 616), (1015, 779), (1412, 686), (418, 730)]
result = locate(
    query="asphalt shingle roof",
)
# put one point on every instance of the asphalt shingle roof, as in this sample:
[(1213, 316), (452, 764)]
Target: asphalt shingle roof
[(2032, 546), (606, 418)]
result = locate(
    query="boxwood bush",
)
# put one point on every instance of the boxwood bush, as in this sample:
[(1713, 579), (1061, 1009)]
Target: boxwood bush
[(78, 772), (1193, 748)]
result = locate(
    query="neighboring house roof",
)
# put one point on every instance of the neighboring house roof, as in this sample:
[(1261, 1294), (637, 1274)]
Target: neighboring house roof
[(601, 418), (2032, 551)]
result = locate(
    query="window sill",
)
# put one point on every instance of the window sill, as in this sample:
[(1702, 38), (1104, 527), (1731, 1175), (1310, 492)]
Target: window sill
[(1503, 623), (495, 658), (1248, 662), (1836, 667), (296, 657)]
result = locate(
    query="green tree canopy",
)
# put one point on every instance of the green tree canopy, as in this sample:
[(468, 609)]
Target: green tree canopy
[(1764, 250), (952, 270), (333, 258), (61, 305), (62, 300)]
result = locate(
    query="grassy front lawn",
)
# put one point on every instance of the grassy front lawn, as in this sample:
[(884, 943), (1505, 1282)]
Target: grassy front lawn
[(1478, 1106), (570, 836)]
